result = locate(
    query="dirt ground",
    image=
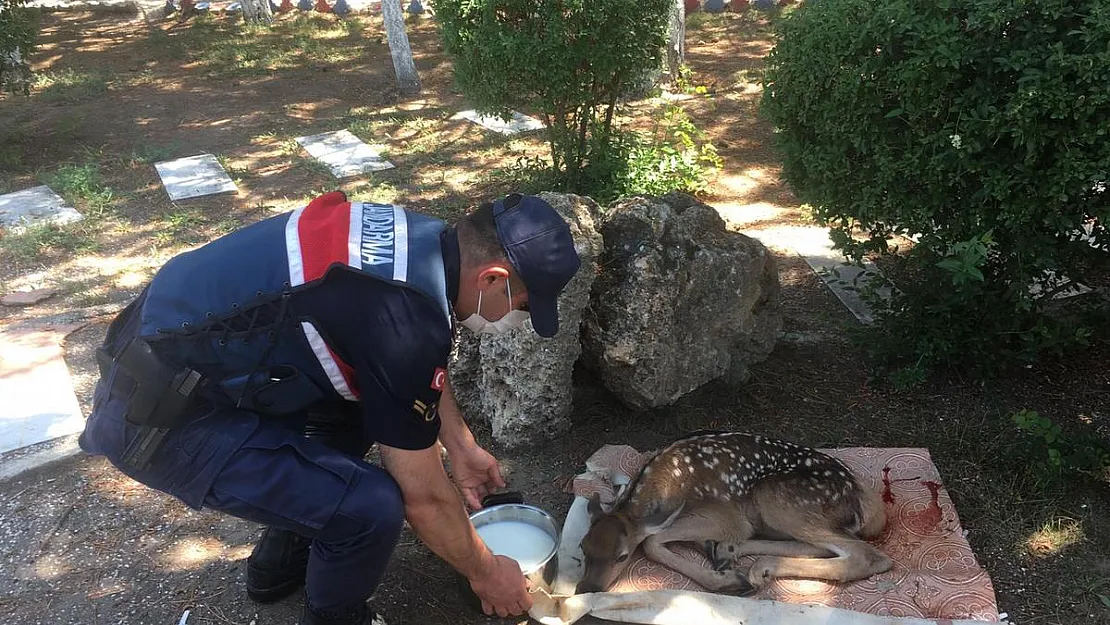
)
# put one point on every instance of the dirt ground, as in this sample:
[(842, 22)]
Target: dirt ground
[(82, 544)]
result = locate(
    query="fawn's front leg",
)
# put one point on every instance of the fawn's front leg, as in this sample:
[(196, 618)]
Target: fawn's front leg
[(700, 526)]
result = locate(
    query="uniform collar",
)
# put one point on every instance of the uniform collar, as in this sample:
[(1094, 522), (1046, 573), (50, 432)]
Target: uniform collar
[(449, 243)]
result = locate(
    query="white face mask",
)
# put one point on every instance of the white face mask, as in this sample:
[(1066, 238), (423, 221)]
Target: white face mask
[(512, 320)]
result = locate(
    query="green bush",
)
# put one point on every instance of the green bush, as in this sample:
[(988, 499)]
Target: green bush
[(979, 127), (571, 60), (1057, 452), (17, 37), (675, 156)]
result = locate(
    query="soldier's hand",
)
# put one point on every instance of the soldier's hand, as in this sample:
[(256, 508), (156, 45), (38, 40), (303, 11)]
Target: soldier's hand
[(503, 589), (477, 473)]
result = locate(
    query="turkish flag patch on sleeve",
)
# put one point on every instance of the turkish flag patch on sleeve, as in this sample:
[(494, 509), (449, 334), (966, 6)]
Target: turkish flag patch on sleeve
[(439, 378)]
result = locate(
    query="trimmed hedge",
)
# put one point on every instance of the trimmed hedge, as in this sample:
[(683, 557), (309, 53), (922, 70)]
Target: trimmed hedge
[(979, 126)]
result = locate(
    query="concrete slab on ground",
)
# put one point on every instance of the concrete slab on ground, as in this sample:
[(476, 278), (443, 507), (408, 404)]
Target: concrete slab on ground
[(844, 279), (518, 123), (35, 205), (344, 153), (28, 297), (1061, 287), (39, 403), (19, 461), (194, 176), (741, 216)]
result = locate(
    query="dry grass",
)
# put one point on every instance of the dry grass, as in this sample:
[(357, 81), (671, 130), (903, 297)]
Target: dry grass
[(1054, 537)]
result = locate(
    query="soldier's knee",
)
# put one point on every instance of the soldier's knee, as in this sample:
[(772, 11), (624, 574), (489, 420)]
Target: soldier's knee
[(373, 506), (381, 498)]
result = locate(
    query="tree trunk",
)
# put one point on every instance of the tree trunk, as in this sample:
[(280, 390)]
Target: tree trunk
[(676, 41), (641, 85), (15, 72), (408, 82), (257, 11)]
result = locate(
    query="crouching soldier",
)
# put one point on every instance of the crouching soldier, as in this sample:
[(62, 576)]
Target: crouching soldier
[(252, 376)]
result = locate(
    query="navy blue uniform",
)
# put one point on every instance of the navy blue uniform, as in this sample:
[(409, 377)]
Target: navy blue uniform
[(337, 312)]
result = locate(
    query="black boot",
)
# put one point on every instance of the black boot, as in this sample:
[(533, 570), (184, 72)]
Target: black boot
[(361, 615), (276, 567)]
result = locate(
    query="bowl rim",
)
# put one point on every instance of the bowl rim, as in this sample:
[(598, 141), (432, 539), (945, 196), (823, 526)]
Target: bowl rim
[(555, 534)]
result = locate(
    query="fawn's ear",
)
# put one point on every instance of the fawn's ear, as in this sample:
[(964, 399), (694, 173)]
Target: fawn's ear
[(593, 508), (621, 482)]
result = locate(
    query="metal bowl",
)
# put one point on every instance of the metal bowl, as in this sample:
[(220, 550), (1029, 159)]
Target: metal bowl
[(543, 574), (522, 513)]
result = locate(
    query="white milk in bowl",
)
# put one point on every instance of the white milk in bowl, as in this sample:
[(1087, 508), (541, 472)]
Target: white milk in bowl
[(527, 544)]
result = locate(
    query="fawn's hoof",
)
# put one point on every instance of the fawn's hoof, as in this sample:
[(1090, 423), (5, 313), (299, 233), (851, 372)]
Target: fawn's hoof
[(730, 582), (713, 553), (721, 555), (762, 571)]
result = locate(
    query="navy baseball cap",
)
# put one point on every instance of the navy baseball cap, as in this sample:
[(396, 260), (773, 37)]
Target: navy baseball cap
[(538, 243)]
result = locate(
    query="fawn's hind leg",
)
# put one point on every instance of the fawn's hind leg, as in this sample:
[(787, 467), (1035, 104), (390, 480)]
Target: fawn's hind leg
[(852, 559), (725, 555), (785, 510), (717, 524)]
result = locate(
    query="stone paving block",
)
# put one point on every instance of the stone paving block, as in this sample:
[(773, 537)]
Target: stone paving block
[(1061, 287), (1049, 280), (518, 123), (35, 205), (195, 176), (39, 403), (27, 298), (844, 279), (344, 153), (847, 281)]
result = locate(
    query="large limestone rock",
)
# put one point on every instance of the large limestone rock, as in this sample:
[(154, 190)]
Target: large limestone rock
[(466, 375), (519, 381), (681, 301)]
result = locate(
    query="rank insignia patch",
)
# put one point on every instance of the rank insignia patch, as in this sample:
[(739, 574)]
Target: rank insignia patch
[(428, 412)]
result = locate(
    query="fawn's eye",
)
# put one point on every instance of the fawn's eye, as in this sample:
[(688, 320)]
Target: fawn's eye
[(622, 558)]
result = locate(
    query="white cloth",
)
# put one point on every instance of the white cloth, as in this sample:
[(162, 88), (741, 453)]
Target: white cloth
[(684, 607)]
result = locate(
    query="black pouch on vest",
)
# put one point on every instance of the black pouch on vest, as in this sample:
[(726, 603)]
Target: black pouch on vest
[(275, 391), (161, 394)]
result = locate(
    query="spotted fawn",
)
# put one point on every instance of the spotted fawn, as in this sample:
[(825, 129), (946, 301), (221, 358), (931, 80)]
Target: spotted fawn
[(734, 494)]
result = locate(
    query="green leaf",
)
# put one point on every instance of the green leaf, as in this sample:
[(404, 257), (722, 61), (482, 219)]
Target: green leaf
[(951, 264)]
